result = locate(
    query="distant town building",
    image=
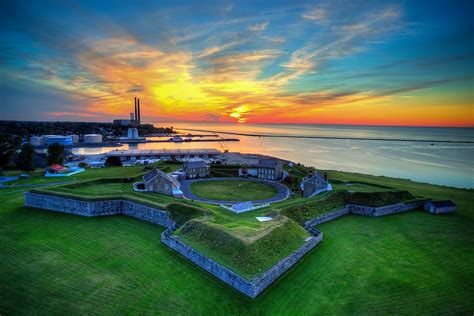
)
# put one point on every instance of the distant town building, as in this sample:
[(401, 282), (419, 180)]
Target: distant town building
[(160, 182), (62, 140), (36, 140), (75, 139), (312, 184), (196, 169), (124, 122), (163, 154), (265, 169), (440, 207), (92, 138)]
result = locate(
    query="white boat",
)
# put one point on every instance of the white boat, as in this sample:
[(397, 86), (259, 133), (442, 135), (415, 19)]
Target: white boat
[(176, 139)]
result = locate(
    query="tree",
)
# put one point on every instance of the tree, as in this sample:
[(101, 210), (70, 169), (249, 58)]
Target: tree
[(25, 158), (55, 154), (8, 144)]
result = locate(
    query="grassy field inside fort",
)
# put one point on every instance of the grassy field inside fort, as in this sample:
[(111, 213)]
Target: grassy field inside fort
[(233, 190), (405, 263)]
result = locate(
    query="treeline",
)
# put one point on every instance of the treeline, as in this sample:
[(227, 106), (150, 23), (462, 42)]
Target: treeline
[(26, 129)]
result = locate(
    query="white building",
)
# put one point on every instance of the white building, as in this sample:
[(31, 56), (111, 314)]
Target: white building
[(62, 140), (163, 154), (92, 138)]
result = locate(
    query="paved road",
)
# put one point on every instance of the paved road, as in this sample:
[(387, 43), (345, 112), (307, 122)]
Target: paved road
[(185, 187)]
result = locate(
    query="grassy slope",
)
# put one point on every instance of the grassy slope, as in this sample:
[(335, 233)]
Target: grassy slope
[(233, 190), (405, 263), (246, 258)]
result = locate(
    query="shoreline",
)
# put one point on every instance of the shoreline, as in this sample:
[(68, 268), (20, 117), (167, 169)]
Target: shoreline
[(331, 137)]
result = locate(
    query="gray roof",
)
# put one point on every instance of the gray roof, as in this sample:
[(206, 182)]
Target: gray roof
[(156, 172), (267, 163), (195, 164), (312, 176), (150, 175)]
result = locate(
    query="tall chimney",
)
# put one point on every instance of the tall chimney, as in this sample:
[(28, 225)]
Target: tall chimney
[(139, 117), (135, 111)]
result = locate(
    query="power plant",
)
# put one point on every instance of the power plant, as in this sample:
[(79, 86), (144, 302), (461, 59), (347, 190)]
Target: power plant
[(135, 116)]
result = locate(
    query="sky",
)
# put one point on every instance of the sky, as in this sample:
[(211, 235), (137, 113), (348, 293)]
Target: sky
[(303, 62)]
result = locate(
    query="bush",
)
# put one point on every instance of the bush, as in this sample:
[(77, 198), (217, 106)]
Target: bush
[(84, 165)]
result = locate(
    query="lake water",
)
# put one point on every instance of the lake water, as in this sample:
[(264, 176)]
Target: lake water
[(433, 155)]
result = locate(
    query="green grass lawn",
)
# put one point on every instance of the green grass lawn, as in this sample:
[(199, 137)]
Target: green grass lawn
[(233, 190), (409, 263)]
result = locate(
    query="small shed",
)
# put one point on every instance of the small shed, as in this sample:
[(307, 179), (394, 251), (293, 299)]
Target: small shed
[(440, 207)]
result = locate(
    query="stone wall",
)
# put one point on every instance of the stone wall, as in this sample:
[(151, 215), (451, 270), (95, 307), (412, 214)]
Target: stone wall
[(327, 217), (384, 210), (250, 288), (147, 213), (72, 206), (98, 208)]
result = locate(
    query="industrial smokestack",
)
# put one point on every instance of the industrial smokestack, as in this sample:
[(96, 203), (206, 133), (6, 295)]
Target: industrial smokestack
[(136, 118), (139, 117)]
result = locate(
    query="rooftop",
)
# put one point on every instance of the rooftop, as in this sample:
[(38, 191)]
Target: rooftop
[(312, 176), (195, 164), (267, 163), (145, 152), (156, 172)]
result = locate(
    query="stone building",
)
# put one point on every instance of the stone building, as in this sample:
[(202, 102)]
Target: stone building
[(160, 182), (196, 169), (266, 169), (313, 184), (439, 207)]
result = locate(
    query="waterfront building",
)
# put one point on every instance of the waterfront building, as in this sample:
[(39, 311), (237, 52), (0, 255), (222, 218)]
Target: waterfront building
[(196, 169), (265, 169), (162, 154)]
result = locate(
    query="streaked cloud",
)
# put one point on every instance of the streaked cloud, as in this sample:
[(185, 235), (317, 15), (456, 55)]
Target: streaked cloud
[(259, 26), (316, 14)]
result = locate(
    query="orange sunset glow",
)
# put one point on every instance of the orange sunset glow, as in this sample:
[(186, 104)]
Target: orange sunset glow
[(318, 65)]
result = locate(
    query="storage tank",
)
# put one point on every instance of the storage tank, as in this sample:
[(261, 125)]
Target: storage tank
[(62, 140), (36, 140), (92, 138), (75, 139), (132, 133)]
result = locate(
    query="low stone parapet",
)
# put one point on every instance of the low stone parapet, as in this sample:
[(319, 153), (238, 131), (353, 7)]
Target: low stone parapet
[(251, 288), (147, 213), (327, 217), (98, 208), (73, 206)]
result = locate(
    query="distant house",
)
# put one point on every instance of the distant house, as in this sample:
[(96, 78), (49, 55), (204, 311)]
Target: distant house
[(56, 169), (440, 207), (160, 182), (313, 184), (266, 169), (196, 169), (60, 171)]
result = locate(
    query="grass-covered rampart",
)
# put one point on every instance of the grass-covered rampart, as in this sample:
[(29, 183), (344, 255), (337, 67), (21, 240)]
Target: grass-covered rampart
[(245, 258)]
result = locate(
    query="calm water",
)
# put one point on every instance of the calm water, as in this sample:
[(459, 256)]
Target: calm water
[(441, 163)]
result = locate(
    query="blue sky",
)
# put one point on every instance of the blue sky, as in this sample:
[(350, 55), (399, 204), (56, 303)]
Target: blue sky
[(343, 62)]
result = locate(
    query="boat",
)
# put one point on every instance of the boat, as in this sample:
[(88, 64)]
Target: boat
[(176, 139)]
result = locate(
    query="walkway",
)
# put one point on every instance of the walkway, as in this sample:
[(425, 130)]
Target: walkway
[(185, 187)]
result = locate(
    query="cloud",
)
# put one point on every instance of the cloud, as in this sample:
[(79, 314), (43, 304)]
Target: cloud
[(316, 14), (259, 26)]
